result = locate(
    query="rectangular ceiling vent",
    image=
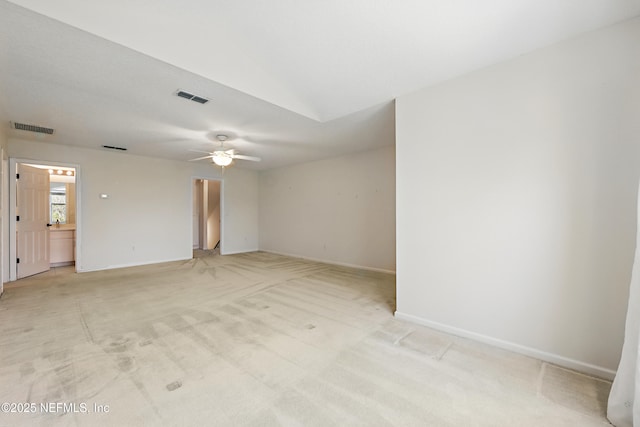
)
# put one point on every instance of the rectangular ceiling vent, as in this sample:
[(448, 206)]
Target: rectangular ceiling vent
[(113, 147), (32, 128), (192, 97)]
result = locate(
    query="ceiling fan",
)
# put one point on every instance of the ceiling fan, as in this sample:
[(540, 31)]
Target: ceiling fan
[(224, 157)]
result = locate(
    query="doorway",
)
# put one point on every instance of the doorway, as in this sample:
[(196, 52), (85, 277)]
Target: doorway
[(43, 217), (206, 218)]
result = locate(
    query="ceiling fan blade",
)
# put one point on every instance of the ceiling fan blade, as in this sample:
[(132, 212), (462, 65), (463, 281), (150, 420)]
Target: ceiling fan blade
[(230, 152), (200, 151), (242, 157), (201, 158)]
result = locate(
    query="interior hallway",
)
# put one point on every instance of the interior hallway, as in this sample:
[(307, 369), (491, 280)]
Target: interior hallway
[(261, 339)]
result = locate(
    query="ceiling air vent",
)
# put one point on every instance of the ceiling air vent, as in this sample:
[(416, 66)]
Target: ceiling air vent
[(192, 97), (112, 147), (32, 128)]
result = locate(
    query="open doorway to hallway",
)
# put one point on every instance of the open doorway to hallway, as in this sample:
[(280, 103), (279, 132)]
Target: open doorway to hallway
[(206, 217)]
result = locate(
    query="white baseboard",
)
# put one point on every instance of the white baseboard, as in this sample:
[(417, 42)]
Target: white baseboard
[(238, 252), (133, 264), (324, 261), (576, 365), (61, 264)]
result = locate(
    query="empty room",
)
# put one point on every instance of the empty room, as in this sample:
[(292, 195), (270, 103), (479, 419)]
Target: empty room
[(319, 213)]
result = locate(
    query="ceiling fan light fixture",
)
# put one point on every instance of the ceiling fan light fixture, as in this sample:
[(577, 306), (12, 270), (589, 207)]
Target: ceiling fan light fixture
[(221, 160), (222, 157)]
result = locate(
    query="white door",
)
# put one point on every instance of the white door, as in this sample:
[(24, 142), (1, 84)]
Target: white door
[(32, 224)]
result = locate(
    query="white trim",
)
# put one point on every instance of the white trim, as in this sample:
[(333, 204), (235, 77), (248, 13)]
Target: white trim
[(240, 252), (136, 264), (556, 359), (324, 261)]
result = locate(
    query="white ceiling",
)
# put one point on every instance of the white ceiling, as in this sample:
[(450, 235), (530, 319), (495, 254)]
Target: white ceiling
[(289, 80)]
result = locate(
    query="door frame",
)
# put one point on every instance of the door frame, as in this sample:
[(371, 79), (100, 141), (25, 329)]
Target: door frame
[(13, 162), (222, 208)]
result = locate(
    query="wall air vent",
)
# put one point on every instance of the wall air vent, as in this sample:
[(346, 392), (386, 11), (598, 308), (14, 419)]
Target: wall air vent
[(112, 147), (192, 97), (32, 128)]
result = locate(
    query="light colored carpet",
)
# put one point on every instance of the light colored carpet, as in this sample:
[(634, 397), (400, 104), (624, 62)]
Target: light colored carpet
[(259, 340)]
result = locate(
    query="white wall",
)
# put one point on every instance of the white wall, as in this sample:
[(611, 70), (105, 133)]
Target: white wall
[(340, 210), (147, 217), (516, 192)]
